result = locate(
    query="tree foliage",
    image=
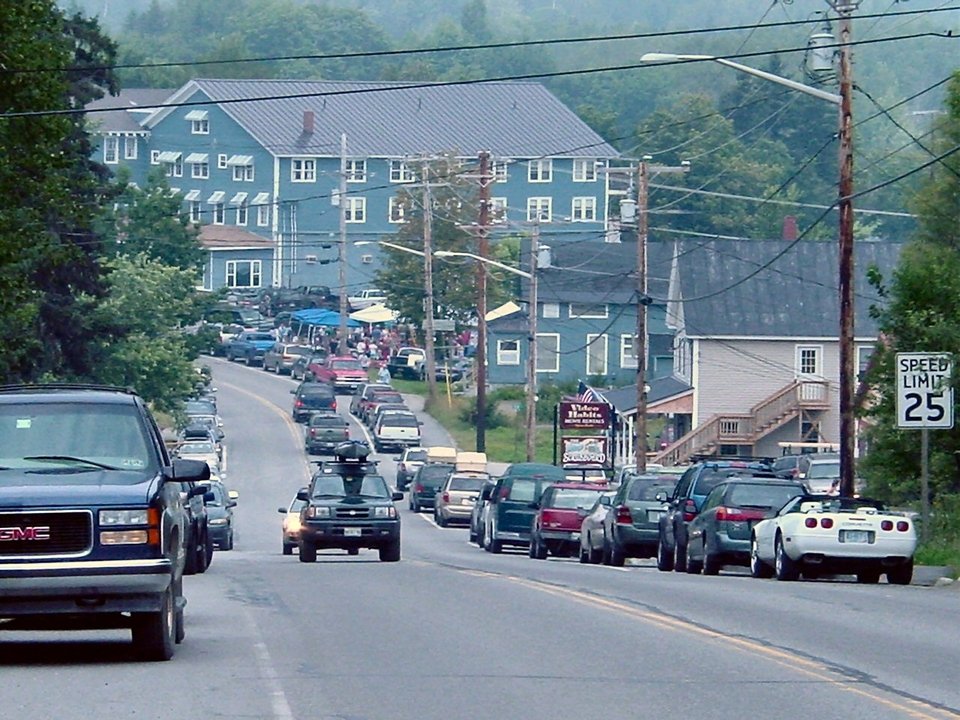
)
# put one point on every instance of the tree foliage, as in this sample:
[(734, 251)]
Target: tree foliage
[(921, 313)]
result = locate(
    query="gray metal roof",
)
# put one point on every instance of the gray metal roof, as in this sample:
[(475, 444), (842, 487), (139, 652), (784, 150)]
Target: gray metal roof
[(774, 288), (593, 271), (624, 399), (391, 119), (132, 107)]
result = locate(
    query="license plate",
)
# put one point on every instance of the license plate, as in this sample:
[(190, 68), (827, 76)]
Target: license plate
[(854, 536), (352, 532), (653, 516)]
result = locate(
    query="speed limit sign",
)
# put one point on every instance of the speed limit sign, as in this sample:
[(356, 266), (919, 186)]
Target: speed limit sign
[(924, 393)]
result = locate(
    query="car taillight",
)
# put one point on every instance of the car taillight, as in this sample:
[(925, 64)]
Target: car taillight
[(446, 497), (418, 487), (903, 526), (886, 525), (504, 493), (623, 516), (298, 403), (826, 523), (402, 467), (689, 510), (810, 522), (334, 405), (313, 432)]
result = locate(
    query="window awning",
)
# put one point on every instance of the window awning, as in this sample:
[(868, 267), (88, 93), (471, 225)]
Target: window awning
[(169, 156), (240, 160), (197, 157), (261, 199), (192, 195), (217, 197), (196, 115), (174, 191), (239, 198)]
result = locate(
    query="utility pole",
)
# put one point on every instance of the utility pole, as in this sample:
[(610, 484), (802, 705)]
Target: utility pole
[(847, 421), (342, 251), (430, 360), (532, 346), (483, 250)]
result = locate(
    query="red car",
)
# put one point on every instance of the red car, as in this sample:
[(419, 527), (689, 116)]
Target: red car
[(342, 371), (560, 513)]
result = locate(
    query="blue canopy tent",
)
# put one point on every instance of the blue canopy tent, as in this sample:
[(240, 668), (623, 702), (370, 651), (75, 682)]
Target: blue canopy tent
[(321, 316)]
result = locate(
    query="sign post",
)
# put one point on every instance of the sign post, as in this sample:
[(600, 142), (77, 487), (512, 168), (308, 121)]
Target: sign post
[(924, 402)]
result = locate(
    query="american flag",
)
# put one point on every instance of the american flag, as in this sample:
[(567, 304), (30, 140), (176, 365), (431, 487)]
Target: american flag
[(585, 393)]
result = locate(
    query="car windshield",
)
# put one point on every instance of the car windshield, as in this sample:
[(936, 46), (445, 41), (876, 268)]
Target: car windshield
[(196, 448), (387, 398), (317, 389), (297, 350), (646, 488), (761, 495), (345, 365), (415, 456), (217, 490), (824, 470), (436, 473), (77, 438), (337, 485), (260, 337), (199, 407), (709, 479), (523, 490), (572, 498), (250, 316), (464, 482)]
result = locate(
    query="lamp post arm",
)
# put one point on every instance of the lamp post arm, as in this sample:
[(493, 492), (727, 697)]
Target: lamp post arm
[(485, 261), (786, 82)]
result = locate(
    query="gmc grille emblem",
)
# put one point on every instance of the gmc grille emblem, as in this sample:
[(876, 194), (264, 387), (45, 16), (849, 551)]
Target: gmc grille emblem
[(11, 534)]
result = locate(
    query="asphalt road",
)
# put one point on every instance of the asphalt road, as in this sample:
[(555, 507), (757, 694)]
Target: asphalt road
[(453, 632)]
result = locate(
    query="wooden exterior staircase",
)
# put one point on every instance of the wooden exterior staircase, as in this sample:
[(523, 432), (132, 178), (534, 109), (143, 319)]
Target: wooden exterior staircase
[(747, 428)]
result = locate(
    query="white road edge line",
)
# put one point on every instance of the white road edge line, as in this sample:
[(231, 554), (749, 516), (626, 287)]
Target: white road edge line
[(279, 705)]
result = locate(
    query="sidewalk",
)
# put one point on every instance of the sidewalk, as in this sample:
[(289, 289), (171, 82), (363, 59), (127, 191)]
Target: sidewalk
[(434, 429)]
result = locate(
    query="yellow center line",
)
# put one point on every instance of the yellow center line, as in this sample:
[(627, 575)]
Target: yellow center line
[(792, 661)]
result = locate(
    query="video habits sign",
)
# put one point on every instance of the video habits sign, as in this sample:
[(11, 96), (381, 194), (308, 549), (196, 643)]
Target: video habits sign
[(575, 415)]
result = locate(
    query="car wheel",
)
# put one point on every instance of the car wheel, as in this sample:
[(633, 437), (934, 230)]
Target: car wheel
[(617, 557), (249, 361), (785, 568), (758, 568), (353, 551), (440, 520), (179, 621), (416, 506), (869, 576), (207, 553), (694, 566), (228, 543), (539, 549), (679, 556), (287, 549), (664, 556), (480, 537), (584, 555), (229, 357), (154, 633), (901, 574), (596, 555), (391, 552), (711, 563), (308, 552)]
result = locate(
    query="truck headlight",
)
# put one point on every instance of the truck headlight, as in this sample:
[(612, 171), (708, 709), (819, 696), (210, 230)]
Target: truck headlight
[(139, 516), (386, 511), (217, 521), (318, 512)]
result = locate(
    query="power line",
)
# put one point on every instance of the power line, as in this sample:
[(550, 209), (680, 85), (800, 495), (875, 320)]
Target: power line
[(465, 48)]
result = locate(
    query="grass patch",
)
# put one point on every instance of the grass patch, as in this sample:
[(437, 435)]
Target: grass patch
[(940, 553)]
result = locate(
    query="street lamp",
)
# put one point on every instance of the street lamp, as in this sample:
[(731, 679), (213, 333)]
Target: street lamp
[(845, 206), (531, 401), (429, 366)]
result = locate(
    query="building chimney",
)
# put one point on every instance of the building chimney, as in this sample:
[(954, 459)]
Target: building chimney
[(308, 122), (790, 228)]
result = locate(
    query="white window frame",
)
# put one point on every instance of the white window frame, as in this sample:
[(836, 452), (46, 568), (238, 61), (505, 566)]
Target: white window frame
[(154, 157), (628, 356), (396, 211), (242, 213), (111, 149), (499, 171), (551, 310), (583, 209), (817, 354), (584, 170), (222, 161), (255, 269), (175, 168), (506, 356), (400, 172), (219, 213), (243, 173), (131, 147), (498, 210), (542, 206), (303, 170), (593, 342), (196, 211), (587, 312), (200, 127), (543, 354), (200, 170), (540, 170), (263, 215), (864, 353), (355, 210), (356, 171)]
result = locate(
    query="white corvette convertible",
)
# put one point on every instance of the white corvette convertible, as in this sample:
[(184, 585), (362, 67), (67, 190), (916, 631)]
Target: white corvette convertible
[(817, 535)]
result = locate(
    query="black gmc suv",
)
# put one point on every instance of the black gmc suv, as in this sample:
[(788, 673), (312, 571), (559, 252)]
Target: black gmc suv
[(349, 506), (91, 513)]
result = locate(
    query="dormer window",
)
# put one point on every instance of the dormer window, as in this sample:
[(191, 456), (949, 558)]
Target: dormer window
[(199, 123)]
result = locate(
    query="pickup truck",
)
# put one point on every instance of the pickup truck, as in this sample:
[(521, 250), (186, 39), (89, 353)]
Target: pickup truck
[(406, 363), (342, 371), (299, 298), (94, 527), (324, 432), (249, 346), (366, 298)]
